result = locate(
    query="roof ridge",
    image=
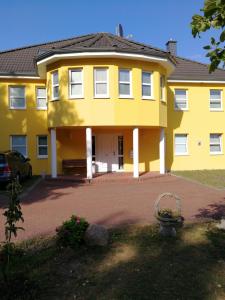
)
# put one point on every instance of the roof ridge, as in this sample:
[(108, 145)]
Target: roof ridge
[(138, 43), (108, 39), (42, 44), (79, 39)]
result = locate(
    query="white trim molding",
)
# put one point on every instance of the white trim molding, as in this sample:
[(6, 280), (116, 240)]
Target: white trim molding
[(53, 153), (41, 64), (89, 152), (136, 152), (195, 81), (162, 151)]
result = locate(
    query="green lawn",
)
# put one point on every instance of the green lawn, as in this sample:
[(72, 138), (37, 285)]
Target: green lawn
[(215, 178), (138, 264)]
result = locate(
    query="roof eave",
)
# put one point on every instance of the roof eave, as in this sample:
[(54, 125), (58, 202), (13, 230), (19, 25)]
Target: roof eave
[(44, 59)]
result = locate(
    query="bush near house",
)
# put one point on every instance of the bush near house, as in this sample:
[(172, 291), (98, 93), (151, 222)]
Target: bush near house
[(72, 231)]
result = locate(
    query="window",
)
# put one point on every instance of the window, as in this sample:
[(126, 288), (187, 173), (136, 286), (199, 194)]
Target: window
[(42, 146), (120, 152), (215, 143), (146, 85), (19, 143), (215, 100), (76, 83), (181, 147), (41, 99), (55, 85), (162, 87), (181, 101), (101, 83), (125, 83), (17, 97)]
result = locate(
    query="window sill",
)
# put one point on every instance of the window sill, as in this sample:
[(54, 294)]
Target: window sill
[(216, 153), (76, 98), (18, 108), (148, 98), (126, 97), (180, 110), (216, 110), (43, 157), (182, 154), (98, 97), (57, 99)]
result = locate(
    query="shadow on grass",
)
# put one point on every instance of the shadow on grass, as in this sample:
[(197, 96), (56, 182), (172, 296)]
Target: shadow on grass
[(138, 264)]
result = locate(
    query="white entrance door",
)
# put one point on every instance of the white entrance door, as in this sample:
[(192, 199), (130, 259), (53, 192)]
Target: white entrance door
[(107, 153)]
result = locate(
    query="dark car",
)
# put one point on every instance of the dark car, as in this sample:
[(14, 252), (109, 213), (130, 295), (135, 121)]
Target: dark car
[(14, 165)]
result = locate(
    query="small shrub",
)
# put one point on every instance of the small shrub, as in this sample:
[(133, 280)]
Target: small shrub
[(72, 231)]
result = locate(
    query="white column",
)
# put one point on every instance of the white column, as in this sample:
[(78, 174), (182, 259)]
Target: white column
[(53, 153), (162, 151), (135, 152), (89, 152)]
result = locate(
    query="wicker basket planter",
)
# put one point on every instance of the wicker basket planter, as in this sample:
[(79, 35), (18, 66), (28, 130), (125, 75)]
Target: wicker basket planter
[(169, 219)]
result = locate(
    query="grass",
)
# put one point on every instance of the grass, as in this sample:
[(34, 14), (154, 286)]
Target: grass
[(137, 264), (215, 178)]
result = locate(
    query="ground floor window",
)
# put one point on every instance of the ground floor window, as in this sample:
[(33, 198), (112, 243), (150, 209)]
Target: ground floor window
[(181, 147), (42, 146), (19, 143), (120, 152), (93, 148), (215, 143)]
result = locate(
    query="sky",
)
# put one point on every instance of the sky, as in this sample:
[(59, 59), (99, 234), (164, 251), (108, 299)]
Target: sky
[(154, 22)]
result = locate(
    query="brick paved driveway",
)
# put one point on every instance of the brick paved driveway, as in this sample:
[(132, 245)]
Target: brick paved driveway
[(112, 204)]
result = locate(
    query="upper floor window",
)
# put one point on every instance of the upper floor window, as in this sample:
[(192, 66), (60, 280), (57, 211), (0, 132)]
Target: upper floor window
[(162, 88), (146, 85), (181, 100), (215, 100), (17, 97), (42, 146), (181, 146), (41, 98), (76, 83), (124, 83), (215, 143), (55, 85), (101, 85), (19, 143)]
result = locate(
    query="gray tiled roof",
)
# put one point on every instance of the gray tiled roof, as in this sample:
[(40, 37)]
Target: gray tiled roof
[(192, 70), (22, 61)]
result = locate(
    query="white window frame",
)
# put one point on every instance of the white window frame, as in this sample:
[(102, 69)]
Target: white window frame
[(10, 103), (162, 88), (213, 100), (184, 153), (38, 107), (11, 142), (38, 146), (55, 85), (184, 99), (221, 144), (147, 84), (125, 82), (102, 96), (71, 83)]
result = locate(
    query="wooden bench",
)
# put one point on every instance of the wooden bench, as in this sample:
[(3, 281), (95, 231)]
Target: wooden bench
[(74, 166)]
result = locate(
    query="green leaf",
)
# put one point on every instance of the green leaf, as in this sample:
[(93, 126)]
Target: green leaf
[(222, 36)]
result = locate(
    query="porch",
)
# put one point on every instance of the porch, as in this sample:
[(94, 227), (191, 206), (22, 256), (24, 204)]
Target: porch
[(132, 151)]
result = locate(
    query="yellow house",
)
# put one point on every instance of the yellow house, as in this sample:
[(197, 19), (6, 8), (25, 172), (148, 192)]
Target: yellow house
[(116, 104)]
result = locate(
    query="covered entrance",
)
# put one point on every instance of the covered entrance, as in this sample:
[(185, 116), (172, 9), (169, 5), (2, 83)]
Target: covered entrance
[(107, 152)]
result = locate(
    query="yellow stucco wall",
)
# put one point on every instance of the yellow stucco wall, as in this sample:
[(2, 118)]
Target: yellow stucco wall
[(30, 122), (113, 111), (198, 122)]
